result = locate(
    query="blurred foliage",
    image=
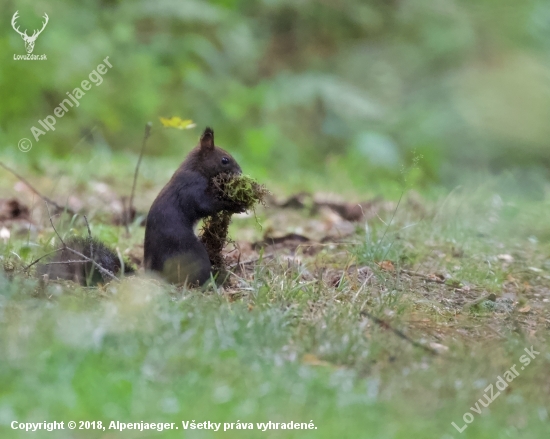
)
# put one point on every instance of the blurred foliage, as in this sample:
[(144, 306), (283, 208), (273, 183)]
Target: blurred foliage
[(369, 89)]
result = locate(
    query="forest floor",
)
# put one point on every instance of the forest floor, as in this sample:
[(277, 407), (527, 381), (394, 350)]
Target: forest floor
[(356, 317)]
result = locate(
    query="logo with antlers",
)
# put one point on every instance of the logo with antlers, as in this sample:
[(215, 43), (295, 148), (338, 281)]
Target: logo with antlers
[(29, 40)]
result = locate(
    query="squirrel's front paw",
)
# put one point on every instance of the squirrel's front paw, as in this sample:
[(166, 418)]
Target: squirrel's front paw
[(234, 207)]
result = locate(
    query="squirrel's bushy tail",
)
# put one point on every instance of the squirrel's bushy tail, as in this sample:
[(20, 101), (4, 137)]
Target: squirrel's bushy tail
[(69, 266)]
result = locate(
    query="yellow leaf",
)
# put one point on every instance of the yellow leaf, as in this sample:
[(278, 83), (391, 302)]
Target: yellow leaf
[(177, 122)]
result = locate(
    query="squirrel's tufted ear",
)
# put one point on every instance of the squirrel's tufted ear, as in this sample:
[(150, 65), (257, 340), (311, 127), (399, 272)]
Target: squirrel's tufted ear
[(207, 139)]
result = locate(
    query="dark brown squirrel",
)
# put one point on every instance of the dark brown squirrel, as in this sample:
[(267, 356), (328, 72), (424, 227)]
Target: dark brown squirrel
[(171, 246), (67, 265)]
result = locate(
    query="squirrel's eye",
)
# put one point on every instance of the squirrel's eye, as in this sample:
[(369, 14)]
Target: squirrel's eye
[(225, 161)]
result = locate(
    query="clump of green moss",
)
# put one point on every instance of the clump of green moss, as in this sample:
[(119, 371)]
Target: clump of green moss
[(241, 189), (245, 193), (214, 237)]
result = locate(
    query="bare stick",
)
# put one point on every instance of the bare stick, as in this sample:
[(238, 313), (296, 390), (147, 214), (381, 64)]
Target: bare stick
[(146, 135), (54, 229), (437, 280), (397, 332), (387, 228), (88, 226), (31, 187), (490, 296), (99, 267), (126, 213), (251, 261), (39, 259), (90, 236), (77, 261), (424, 276)]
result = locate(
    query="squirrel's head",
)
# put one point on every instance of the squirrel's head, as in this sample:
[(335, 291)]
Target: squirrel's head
[(211, 160)]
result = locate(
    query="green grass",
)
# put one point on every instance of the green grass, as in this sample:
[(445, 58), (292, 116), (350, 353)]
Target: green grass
[(291, 341)]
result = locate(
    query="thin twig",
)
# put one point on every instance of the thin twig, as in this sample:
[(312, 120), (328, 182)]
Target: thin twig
[(79, 261), (397, 332), (252, 261), (489, 296), (146, 135), (31, 187), (126, 213), (99, 267), (91, 245), (53, 226), (90, 236), (39, 259), (387, 228), (88, 226), (432, 278), (424, 276)]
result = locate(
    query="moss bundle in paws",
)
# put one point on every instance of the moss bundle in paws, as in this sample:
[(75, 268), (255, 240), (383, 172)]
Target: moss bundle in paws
[(245, 193), (243, 190)]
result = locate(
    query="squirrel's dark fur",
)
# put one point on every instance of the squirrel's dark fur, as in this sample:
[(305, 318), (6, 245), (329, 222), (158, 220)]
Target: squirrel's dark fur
[(171, 246), (66, 265)]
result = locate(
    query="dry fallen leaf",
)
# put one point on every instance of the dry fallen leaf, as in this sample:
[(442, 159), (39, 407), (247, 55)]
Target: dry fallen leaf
[(312, 360), (438, 277), (439, 347), (525, 309), (387, 265)]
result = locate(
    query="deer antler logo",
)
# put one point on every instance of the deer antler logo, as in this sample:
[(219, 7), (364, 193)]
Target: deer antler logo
[(29, 40)]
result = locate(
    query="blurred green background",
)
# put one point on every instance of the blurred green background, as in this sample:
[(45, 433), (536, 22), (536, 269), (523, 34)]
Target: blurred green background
[(364, 89), (373, 96)]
